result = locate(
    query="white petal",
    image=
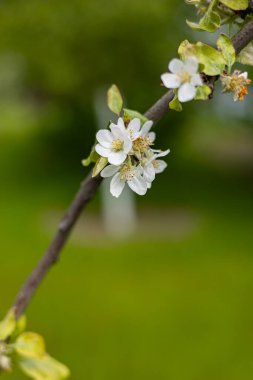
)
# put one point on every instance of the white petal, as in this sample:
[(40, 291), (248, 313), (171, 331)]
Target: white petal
[(127, 145), (146, 128), (186, 92), (160, 166), (109, 171), (121, 124), (152, 136), (138, 185), (149, 172), (162, 154), (134, 129), (196, 80), (191, 65), (117, 131), (104, 137), (149, 185), (117, 185), (176, 66), (104, 152), (171, 80), (117, 158), (244, 75)]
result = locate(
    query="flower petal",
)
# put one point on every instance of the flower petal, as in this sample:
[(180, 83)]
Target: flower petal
[(134, 129), (171, 80), (138, 185), (117, 185), (127, 145), (109, 171), (162, 154), (117, 131), (146, 128), (104, 137), (186, 92), (160, 166), (102, 151), (196, 80), (117, 158), (192, 65), (149, 172), (152, 136), (176, 66), (121, 124)]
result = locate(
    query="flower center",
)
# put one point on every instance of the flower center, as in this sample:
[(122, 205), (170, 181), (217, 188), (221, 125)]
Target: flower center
[(185, 77), (141, 144), (117, 145), (127, 173)]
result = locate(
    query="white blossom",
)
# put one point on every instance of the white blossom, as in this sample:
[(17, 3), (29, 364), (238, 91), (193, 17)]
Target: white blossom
[(184, 76), (130, 174), (115, 144), (152, 166)]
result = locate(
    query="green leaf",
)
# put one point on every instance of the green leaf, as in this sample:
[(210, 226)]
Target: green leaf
[(175, 104), (114, 100), (212, 60), (45, 368), (203, 92), (246, 55), (227, 49), (210, 22), (130, 115), (20, 327), (7, 326), (100, 165), (236, 5), (93, 157), (30, 345)]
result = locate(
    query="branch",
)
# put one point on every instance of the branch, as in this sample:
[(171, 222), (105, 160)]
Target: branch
[(243, 38), (86, 193)]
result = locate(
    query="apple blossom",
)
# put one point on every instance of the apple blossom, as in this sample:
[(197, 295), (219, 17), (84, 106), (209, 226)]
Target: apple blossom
[(183, 76)]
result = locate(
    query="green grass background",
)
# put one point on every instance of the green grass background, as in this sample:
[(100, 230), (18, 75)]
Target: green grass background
[(151, 307)]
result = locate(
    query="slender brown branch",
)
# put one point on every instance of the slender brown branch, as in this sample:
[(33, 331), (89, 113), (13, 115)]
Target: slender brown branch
[(87, 192), (243, 38)]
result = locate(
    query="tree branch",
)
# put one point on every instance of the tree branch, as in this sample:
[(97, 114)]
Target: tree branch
[(87, 192)]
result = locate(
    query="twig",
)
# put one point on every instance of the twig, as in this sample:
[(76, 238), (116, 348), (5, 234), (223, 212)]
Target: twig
[(87, 192)]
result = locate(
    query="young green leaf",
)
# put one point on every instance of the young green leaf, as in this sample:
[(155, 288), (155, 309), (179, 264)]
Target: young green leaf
[(203, 92), (212, 60), (8, 325), (114, 99), (227, 49), (43, 368), (175, 104), (210, 22), (93, 157), (30, 345), (100, 165), (236, 5), (130, 115)]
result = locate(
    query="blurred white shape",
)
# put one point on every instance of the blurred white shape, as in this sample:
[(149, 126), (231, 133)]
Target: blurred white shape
[(119, 215)]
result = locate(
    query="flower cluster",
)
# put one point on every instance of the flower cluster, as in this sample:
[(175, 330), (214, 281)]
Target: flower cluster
[(131, 159), (183, 76), (236, 83)]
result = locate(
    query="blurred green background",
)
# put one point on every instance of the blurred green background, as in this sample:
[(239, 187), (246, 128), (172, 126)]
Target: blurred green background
[(175, 300)]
